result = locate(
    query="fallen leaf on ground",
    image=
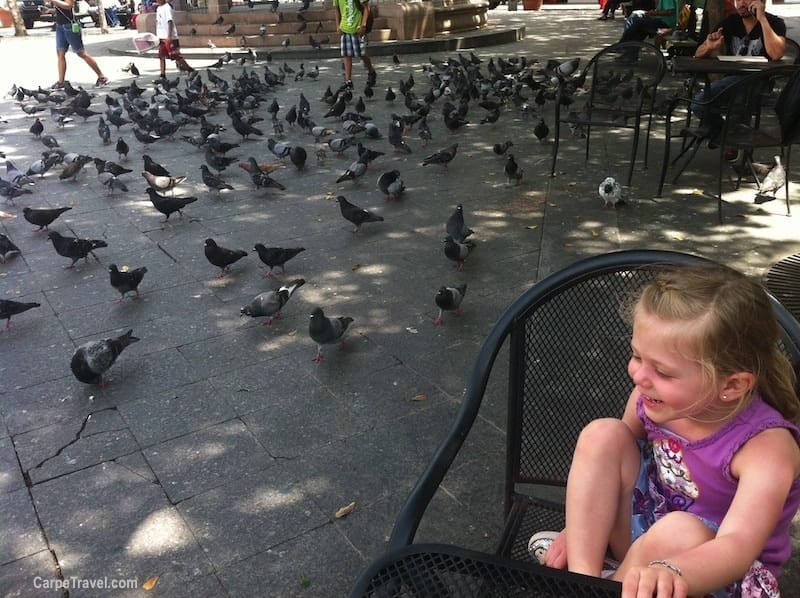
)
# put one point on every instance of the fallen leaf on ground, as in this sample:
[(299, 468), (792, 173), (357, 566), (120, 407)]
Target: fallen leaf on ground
[(532, 226), (355, 267), (345, 511), (419, 397), (150, 583), (304, 581)]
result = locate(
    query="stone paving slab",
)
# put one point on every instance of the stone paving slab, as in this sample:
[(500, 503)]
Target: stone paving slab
[(219, 453)]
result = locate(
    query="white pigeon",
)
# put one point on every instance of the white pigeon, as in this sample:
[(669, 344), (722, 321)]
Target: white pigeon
[(610, 192), (775, 179)]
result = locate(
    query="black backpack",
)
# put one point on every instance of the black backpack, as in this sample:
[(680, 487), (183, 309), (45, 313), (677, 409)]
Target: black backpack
[(370, 18)]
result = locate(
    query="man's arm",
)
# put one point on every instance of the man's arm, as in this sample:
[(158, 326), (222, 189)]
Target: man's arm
[(774, 44), (364, 16)]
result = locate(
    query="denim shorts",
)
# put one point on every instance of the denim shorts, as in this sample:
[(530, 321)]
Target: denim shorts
[(66, 38)]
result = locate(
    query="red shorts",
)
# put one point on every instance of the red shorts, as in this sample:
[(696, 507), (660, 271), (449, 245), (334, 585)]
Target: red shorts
[(169, 49)]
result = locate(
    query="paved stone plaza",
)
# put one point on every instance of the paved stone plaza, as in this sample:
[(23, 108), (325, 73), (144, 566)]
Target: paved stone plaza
[(215, 460)]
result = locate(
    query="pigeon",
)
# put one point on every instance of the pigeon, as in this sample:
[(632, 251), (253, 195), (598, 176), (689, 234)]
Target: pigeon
[(326, 331), (10, 308), (7, 249), (154, 167), (512, 170), (162, 183), (261, 179), (126, 280), (113, 183), (73, 169), (36, 128), (93, 359), (457, 251), (75, 248), (775, 179), (110, 167), (231, 29), (276, 256), (390, 95), (391, 185), (10, 191), (443, 157), (298, 156), (449, 299), (213, 181), (104, 131), (145, 137), (42, 217), (122, 149), (222, 257), (49, 141), (340, 144), (280, 150), (353, 172), (567, 68), (355, 214), (541, 130), (219, 20), (501, 148), (455, 226), (244, 129), (271, 303), (218, 162), (610, 192), (168, 205)]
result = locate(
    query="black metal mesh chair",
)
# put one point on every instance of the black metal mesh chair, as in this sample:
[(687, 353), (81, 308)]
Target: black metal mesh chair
[(620, 94), (568, 354), (760, 110)]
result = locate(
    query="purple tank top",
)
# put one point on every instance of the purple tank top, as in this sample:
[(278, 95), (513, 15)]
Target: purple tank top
[(696, 476)]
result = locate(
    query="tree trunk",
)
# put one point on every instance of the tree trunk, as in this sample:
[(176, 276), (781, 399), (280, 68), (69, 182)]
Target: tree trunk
[(16, 15)]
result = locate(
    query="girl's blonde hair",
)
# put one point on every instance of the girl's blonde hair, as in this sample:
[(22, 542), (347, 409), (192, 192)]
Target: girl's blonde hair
[(736, 330)]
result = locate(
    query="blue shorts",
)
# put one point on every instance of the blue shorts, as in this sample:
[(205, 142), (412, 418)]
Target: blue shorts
[(353, 44), (66, 38)]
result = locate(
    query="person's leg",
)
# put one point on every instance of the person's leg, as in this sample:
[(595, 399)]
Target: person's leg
[(600, 485), (635, 27), (347, 56), (674, 533), (62, 44), (162, 57), (91, 62)]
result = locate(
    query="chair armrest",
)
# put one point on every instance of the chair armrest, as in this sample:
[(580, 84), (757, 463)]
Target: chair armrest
[(410, 516)]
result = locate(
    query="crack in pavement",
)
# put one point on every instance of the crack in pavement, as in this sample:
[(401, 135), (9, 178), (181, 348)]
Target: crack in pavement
[(78, 436)]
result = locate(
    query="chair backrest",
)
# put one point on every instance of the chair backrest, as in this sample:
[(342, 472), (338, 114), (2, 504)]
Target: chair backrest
[(787, 109), (568, 360), (792, 52)]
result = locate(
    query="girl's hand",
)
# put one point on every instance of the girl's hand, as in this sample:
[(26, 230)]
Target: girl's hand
[(653, 582)]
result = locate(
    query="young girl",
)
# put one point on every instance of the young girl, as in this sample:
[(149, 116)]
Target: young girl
[(694, 489)]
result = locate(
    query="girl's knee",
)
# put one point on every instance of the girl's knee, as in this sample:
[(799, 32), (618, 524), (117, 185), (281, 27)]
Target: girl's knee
[(605, 431), (675, 532)]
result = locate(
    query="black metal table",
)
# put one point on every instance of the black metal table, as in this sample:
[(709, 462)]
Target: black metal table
[(714, 66), (441, 570)]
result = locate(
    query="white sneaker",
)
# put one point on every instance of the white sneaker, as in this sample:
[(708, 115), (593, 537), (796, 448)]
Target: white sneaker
[(539, 544)]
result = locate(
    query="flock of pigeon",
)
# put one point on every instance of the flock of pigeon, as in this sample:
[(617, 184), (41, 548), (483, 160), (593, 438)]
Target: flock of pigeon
[(199, 107)]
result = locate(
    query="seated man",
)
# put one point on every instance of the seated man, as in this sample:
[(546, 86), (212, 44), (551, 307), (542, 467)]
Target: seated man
[(750, 31), (642, 24)]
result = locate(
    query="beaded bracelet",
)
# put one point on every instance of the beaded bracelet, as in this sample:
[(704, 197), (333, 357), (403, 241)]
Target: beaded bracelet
[(667, 565)]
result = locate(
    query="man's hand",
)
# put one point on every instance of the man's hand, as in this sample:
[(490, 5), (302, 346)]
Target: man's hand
[(756, 9)]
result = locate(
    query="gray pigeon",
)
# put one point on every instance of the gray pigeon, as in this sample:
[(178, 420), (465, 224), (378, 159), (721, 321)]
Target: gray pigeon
[(94, 358), (457, 251), (443, 157), (455, 226), (355, 214), (326, 331), (449, 299), (354, 172), (391, 185), (271, 303)]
